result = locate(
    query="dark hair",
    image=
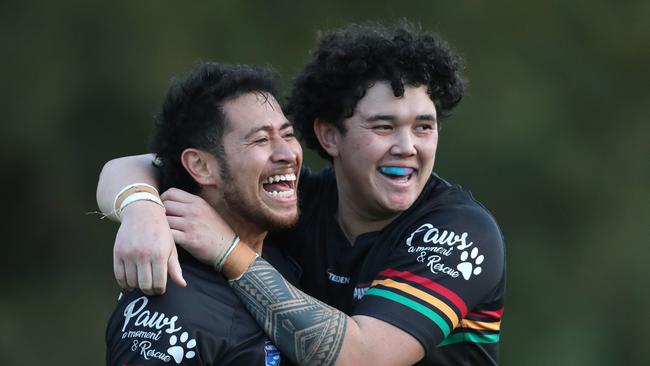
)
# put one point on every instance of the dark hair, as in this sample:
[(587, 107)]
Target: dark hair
[(350, 60), (192, 116)]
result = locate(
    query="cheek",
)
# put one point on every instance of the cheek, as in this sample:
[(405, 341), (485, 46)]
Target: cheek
[(431, 152), (373, 147), (428, 148), (297, 150), (250, 167)]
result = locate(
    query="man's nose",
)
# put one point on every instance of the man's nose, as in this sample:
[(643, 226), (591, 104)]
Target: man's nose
[(283, 151), (404, 144)]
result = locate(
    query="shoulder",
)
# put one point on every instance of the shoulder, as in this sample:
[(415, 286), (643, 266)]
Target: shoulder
[(278, 256), (178, 326), (445, 204), (313, 184), (451, 234), (205, 305), (445, 258), (317, 200)]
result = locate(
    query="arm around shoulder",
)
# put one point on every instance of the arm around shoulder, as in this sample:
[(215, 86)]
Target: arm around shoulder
[(311, 332), (144, 249), (119, 173)]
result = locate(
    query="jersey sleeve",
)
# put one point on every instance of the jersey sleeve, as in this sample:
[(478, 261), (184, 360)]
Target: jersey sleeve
[(440, 268)]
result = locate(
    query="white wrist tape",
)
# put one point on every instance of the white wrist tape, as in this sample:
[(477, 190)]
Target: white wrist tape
[(139, 196), (218, 265), (118, 201)]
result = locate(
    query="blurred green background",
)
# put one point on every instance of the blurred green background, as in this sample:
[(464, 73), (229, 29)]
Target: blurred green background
[(553, 137)]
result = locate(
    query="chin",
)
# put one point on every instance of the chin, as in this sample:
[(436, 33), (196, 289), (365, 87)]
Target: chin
[(400, 205), (282, 222)]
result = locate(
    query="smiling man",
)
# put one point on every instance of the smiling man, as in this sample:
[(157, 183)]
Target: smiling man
[(221, 135), (415, 263)]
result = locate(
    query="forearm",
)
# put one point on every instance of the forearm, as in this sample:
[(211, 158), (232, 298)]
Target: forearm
[(309, 331), (305, 329), (118, 173)]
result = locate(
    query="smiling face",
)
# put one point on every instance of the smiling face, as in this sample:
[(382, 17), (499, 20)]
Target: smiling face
[(258, 178), (386, 155)]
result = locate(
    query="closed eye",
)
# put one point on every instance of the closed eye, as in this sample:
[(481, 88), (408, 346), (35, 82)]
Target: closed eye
[(382, 127), (289, 135), (261, 140)]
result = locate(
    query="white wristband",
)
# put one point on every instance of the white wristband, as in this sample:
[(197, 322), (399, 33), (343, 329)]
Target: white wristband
[(139, 196), (218, 265), (130, 186)]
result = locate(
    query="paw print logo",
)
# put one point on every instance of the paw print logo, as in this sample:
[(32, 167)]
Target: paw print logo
[(178, 351), (470, 263)]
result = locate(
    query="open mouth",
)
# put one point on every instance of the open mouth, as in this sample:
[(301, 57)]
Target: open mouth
[(280, 186), (397, 173)]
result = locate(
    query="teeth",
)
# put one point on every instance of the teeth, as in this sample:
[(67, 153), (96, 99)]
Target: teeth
[(282, 194), (280, 178)]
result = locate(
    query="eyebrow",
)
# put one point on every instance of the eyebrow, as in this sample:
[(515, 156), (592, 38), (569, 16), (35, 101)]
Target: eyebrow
[(266, 128), (390, 117)]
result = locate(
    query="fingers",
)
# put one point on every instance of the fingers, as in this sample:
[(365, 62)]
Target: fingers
[(177, 223), (120, 273), (159, 276), (175, 194), (142, 248), (180, 237), (131, 275), (175, 208), (175, 271), (181, 203), (145, 278)]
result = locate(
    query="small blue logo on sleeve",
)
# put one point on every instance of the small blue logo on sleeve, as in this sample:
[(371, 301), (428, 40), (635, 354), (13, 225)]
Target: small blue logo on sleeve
[(272, 354)]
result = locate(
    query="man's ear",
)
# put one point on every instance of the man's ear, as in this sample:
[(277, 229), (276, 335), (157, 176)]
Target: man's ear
[(200, 165), (328, 136)]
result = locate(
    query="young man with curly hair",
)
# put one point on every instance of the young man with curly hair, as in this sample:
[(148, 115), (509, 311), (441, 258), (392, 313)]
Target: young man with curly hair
[(413, 265)]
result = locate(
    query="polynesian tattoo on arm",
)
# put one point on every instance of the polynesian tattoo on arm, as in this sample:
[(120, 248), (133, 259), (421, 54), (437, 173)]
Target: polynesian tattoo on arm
[(308, 331)]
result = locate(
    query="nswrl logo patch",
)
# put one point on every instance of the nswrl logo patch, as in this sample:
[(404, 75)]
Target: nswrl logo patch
[(272, 354)]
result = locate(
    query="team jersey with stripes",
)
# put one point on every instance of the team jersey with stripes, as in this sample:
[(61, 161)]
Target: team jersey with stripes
[(437, 271)]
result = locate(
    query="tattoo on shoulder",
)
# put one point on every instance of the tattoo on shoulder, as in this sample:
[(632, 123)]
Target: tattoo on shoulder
[(308, 331)]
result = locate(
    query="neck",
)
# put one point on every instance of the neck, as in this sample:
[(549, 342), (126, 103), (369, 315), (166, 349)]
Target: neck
[(354, 220), (249, 233), (253, 237), (354, 223)]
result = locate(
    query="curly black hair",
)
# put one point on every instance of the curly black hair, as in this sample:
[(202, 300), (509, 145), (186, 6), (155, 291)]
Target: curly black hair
[(192, 116), (348, 61)]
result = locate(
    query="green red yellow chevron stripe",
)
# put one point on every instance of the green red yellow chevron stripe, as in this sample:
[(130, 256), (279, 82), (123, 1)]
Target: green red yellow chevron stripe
[(469, 337), (440, 305), (479, 326)]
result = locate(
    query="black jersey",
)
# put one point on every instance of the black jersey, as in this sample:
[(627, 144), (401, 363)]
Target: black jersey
[(202, 324), (437, 271)]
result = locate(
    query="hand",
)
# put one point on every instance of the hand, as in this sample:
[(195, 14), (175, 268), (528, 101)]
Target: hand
[(144, 250), (196, 226)]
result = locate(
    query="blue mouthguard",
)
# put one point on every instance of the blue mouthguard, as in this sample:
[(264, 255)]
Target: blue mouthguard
[(396, 170)]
